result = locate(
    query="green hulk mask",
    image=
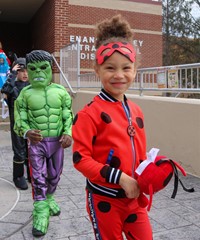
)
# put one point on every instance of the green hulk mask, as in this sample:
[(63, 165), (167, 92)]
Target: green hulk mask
[(40, 74), (39, 68)]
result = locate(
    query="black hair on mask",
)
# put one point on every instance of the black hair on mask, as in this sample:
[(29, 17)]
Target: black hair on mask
[(39, 56)]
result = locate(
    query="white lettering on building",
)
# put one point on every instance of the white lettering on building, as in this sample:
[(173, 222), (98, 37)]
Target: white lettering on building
[(88, 49)]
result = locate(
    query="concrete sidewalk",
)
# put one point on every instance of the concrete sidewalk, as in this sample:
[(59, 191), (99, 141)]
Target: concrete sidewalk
[(172, 219)]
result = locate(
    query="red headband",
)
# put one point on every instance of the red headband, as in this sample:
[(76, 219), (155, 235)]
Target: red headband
[(123, 47)]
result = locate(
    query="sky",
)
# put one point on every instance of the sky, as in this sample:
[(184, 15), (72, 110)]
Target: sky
[(196, 10)]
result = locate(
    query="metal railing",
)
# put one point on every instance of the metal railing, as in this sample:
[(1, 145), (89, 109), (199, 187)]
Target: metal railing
[(63, 76), (179, 78), (70, 65)]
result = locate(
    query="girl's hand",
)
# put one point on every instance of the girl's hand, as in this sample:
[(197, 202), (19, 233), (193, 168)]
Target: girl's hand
[(130, 186)]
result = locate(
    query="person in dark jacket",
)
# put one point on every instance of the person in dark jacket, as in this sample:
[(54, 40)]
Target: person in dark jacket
[(16, 81)]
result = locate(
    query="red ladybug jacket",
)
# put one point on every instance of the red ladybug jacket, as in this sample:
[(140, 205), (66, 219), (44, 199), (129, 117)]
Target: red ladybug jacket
[(103, 148)]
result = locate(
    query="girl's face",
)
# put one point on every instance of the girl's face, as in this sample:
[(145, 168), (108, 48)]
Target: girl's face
[(116, 74)]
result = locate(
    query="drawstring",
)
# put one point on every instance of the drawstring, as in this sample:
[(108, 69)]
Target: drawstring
[(176, 180)]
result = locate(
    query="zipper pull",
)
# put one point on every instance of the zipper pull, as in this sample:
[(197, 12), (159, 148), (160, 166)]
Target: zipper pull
[(130, 128)]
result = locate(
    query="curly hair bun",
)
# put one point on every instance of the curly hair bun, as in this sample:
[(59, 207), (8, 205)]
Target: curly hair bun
[(113, 29)]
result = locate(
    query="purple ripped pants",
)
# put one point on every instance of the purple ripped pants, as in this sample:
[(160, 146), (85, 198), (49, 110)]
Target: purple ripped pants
[(46, 164)]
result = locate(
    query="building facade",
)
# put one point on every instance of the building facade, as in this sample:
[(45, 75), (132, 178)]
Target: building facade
[(65, 21), (57, 23)]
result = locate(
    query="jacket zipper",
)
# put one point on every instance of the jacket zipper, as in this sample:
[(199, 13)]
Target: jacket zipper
[(128, 115)]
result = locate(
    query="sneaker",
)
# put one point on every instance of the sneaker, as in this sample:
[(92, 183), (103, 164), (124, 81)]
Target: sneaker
[(20, 183)]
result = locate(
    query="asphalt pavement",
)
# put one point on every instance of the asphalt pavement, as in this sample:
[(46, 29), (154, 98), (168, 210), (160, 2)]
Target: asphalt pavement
[(172, 219)]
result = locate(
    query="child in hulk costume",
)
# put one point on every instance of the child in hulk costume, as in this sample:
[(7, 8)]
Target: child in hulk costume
[(43, 114)]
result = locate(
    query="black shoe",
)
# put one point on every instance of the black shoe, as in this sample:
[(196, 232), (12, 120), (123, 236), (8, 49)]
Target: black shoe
[(20, 183), (37, 233)]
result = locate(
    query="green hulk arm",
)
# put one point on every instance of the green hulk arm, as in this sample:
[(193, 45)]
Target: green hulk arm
[(67, 115)]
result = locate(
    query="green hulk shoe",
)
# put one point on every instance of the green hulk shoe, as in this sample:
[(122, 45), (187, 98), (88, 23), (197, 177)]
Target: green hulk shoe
[(53, 206), (40, 218)]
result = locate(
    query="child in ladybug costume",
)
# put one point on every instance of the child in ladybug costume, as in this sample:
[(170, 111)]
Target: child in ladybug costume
[(109, 140)]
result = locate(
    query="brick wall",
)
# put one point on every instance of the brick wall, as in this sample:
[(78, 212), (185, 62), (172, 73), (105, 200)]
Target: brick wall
[(42, 27), (144, 20)]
